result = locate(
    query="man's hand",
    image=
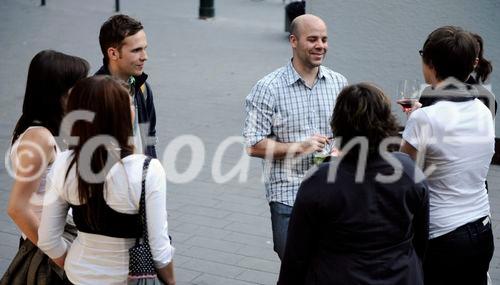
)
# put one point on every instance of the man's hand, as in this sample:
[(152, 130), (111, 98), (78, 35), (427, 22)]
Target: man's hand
[(313, 144)]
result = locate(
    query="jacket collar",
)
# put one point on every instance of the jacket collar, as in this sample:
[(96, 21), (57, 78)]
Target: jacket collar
[(139, 80)]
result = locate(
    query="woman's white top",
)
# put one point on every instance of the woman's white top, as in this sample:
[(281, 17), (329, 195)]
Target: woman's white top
[(98, 259), (36, 200), (457, 141)]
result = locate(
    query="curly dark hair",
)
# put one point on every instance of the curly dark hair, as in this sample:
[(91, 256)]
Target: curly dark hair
[(363, 110)]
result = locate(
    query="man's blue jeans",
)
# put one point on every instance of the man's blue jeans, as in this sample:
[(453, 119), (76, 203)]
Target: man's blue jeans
[(280, 216)]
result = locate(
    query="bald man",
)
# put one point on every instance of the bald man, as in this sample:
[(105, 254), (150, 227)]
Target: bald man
[(288, 114)]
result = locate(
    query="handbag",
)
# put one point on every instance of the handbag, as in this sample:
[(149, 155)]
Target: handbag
[(31, 266), (141, 266)]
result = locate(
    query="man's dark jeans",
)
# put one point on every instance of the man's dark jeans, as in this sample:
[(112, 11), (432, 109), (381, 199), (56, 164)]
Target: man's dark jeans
[(461, 256)]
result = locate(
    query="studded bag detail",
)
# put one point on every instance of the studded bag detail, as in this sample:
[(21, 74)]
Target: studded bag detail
[(141, 266)]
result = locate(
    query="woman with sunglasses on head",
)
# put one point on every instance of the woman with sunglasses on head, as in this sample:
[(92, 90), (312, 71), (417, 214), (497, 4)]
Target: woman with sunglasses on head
[(51, 74), (454, 139), (100, 179)]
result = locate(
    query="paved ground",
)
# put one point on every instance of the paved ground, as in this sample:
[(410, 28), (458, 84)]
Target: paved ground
[(200, 72)]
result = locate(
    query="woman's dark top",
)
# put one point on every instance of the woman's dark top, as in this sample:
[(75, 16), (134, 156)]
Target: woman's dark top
[(111, 223), (358, 233)]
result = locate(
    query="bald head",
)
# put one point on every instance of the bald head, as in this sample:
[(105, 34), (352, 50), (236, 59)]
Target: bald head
[(309, 42), (303, 21)]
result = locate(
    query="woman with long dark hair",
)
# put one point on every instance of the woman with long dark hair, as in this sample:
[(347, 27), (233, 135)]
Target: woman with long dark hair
[(51, 74), (99, 178), (362, 218)]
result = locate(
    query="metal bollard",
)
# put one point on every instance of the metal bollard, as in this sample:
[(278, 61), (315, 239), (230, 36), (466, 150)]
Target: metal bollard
[(207, 9), (117, 5)]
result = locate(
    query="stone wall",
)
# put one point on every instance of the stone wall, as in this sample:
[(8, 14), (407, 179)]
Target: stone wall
[(378, 41)]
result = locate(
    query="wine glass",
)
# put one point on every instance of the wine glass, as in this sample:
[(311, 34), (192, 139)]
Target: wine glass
[(324, 154), (408, 93)]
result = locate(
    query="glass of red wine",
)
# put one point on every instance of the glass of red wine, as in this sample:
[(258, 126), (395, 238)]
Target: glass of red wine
[(408, 94)]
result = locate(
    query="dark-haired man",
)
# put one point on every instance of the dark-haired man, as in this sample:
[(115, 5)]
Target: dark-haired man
[(288, 114), (123, 45)]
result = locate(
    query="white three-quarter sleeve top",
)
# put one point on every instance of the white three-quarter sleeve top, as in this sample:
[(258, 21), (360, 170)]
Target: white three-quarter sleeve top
[(99, 259)]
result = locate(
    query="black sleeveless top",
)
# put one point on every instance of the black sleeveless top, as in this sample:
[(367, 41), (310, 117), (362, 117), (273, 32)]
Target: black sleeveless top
[(112, 223)]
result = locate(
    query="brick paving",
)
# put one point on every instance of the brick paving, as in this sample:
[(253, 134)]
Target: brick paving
[(200, 72)]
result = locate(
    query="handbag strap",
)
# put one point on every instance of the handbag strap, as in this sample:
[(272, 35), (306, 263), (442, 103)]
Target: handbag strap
[(142, 203)]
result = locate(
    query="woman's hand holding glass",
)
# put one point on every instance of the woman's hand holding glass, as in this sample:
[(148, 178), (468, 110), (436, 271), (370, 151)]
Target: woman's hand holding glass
[(408, 95)]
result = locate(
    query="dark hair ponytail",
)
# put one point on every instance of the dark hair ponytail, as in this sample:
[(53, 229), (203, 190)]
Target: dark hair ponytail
[(484, 67)]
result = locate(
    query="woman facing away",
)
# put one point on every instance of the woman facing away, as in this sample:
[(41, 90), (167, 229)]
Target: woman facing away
[(100, 179), (454, 139), (481, 71), (51, 74), (366, 229)]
